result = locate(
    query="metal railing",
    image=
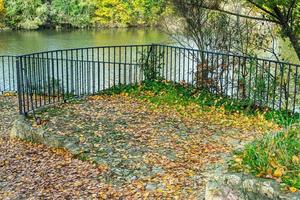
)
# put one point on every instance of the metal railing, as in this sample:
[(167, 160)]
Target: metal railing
[(263, 82), (55, 76), (8, 74)]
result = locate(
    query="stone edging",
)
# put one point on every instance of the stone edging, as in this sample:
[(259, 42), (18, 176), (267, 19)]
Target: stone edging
[(238, 186), (23, 130)]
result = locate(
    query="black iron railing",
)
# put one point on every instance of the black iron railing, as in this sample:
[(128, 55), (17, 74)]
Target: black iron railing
[(265, 83), (8, 74), (55, 76)]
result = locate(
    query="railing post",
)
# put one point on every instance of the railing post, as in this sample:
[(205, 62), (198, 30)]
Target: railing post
[(19, 82)]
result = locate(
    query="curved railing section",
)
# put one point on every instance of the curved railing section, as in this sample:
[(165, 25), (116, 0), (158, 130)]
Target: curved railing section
[(8, 74), (55, 76)]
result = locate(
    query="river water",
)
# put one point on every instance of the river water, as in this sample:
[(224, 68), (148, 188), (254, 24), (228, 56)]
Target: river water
[(22, 42)]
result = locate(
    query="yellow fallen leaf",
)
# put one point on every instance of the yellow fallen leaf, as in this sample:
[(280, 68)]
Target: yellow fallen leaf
[(273, 164), (77, 183), (295, 159), (270, 171), (293, 189), (278, 172), (238, 160)]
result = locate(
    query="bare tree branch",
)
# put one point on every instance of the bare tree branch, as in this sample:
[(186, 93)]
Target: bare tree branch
[(263, 9), (236, 14), (288, 16)]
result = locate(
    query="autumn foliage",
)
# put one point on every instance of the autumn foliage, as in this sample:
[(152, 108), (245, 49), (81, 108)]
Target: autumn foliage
[(2, 12), (35, 14)]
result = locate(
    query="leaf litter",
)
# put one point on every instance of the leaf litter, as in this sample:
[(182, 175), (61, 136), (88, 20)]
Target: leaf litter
[(133, 149)]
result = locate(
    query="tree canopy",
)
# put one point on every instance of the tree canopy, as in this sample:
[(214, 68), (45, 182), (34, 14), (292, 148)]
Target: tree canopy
[(286, 13), (2, 12), (33, 14), (26, 14)]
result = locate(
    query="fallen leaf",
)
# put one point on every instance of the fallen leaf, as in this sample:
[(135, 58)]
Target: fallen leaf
[(295, 159), (293, 189), (278, 172)]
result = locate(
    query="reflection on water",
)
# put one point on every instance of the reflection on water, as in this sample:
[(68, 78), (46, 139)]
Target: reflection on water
[(21, 42)]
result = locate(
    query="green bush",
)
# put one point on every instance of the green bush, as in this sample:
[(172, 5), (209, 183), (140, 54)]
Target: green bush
[(76, 13), (26, 14), (151, 63)]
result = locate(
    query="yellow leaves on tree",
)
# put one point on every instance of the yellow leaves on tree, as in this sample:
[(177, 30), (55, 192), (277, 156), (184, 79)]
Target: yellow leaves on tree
[(2, 10), (112, 12), (128, 13)]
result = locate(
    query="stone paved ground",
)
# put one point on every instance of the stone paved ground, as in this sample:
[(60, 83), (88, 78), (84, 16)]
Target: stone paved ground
[(8, 112), (140, 150), (30, 171)]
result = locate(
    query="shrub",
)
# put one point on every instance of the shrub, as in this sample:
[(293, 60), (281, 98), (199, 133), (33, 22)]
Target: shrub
[(274, 156), (151, 63), (26, 14), (77, 13), (128, 13)]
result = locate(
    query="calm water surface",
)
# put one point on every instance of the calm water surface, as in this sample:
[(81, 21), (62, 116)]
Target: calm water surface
[(21, 42)]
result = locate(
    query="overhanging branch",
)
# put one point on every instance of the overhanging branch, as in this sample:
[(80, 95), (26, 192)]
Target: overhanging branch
[(233, 13), (262, 8)]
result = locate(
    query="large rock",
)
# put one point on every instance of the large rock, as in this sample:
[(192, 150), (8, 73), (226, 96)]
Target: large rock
[(237, 186), (23, 130)]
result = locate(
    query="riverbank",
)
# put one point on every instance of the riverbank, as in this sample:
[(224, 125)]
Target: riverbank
[(81, 13), (67, 27)]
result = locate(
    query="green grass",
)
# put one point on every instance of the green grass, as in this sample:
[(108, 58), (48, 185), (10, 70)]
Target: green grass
[(173, 94), (275, 156)]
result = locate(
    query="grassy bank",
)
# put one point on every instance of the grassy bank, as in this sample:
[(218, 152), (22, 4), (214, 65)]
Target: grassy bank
[(276, 157), (163, 92)]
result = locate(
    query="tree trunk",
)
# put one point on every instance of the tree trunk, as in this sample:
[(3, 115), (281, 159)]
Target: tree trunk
[(295, 40)]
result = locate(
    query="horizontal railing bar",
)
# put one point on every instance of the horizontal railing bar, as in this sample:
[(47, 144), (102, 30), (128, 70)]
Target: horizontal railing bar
[(161, 45), (228, 54), (7, 56), (87, 48), (82, 61)]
